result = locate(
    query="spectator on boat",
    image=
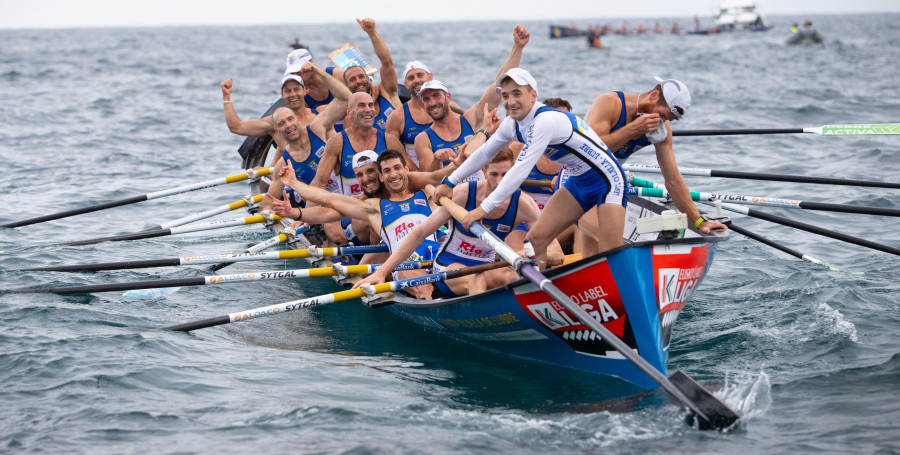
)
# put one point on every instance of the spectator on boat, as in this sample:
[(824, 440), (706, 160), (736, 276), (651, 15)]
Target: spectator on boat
[(675, 30), (393, 218), (292, 92), (658, 29), (440, 143), (623, 29), (595, 175), (296, 44), (461, 248), (628, 122)]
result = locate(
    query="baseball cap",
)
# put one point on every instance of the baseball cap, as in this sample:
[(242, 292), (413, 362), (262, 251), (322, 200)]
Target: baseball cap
[(433, 84), (296, 59), (415, 65), (292, 77), (519, 76), (363, 158), (676, 95)]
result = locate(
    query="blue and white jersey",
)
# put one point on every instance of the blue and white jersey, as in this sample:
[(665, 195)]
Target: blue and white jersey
[(348, 183), (398, 218), (540, 194), (411, 129), (465, 133), (463, 247), (306, 169), (384, 110), (564, 138), (631, 146)]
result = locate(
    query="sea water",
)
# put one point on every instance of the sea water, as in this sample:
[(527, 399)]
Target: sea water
[(808, 356)]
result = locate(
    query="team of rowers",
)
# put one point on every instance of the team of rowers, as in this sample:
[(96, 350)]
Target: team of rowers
[(357, 161)]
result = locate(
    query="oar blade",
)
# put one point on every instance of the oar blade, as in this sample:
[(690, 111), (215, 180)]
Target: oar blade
[(149, 294), (718, 415)]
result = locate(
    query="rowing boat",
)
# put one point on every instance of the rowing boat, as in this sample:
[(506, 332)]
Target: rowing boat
[(636, 291)]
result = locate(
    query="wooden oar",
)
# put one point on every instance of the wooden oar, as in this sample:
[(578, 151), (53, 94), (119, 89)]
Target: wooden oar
[(249, 174), (810, 228), (762, 176), (331, 298), (208, 213), (177, 230), (640, 190), (211, 259), (219, 279), (710, 412), (825, 130)]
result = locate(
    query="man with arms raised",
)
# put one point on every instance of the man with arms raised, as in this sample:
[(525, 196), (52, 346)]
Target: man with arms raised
[(305, 145), (595, 177), (292, 92), (629, 122), (440, 142), (393, 217), (462, 248)]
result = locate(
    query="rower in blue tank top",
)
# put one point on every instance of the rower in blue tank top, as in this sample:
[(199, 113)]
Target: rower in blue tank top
[(384, 110), (306, 170), (633, 145), (463, 247), (398, 218), (411, 129), (466, 133), (349, 184)]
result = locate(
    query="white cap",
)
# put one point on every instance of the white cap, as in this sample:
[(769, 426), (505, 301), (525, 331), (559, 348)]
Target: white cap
[(415, 65), (676, 95), (519, 76), (366, 156), (433, 84), (296, 59), (292, 77)]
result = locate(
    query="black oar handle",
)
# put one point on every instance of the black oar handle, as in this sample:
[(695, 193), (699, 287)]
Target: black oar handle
[(763, 240), (189, 326), (73, 212), (821, 231), (87, 289), (864, 210), (736, 132), (105, 266), (118, 238), (801, 179)]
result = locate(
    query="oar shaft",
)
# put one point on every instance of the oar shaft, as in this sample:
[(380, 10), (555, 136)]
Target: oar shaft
[(825, 130), (736, 132), (131, 200), (211, 259), (208, 213), (222, 279), (810, 228), (778, 246), (763, 176), (176, 230)]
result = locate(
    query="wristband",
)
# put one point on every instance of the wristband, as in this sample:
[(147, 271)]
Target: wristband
[(699, 221), (446, 181), (299, 214), (484, 131), (228, 102)]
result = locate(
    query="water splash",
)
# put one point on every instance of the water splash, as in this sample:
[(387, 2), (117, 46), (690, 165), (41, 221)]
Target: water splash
[(838, 325), (750, 396)]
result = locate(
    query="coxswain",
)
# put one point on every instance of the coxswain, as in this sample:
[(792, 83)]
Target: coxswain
[(595, 177)]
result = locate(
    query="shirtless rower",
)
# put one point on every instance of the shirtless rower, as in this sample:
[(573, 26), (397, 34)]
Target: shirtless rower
[(304, 145), (596, 178), (629, 122), (393, 217), (462, 248), (440, 142)]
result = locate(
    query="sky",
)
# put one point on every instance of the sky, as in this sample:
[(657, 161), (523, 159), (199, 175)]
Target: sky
[(27, 14)]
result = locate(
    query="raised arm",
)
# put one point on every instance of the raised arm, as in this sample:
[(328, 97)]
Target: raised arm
[(388, 72), (490, 95), (255, 127), (330, 158), (349, 206), (336, 109)]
